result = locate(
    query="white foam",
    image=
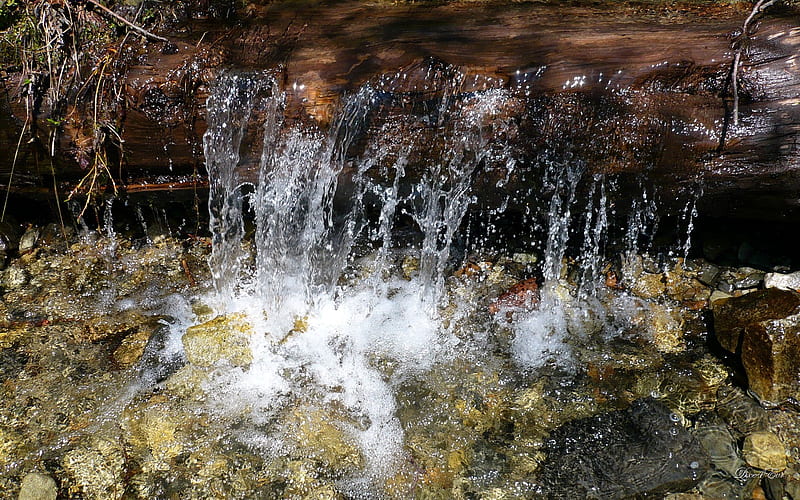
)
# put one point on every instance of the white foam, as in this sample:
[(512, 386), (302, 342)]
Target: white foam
[(339, 360)]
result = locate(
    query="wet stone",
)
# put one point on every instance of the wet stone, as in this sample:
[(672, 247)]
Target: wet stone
[(641, 450), (721, 447), (706, 272), (28, 241), (37, 486), (732, 315), (740, 279), (720, 485), (96, 471), (741, 412), (783, 281), (770, 351), (792, 488), (763, 450), (222, 338)]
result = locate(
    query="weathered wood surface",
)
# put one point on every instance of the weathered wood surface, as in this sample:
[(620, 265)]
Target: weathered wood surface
[(634, 91)]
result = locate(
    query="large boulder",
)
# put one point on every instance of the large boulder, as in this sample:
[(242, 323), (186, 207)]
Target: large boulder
[(638, 451)]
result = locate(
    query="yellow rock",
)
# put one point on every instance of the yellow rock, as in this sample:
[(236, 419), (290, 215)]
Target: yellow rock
[(302, 482), (96, 472), (10, 442), (410, 266), (666, 328), (763, 450), (103, 327), (223, 338), (156, 426), (319, 438), (132, 347), (8, 336), (649, 286), (187, 382)]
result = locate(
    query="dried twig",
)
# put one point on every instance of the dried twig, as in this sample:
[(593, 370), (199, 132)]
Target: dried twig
[(125, 21), (738, 46)]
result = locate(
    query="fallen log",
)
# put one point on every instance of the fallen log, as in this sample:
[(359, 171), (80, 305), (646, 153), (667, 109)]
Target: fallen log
[(632, 91)]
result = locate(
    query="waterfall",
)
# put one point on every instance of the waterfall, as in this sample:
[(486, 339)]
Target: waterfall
[(228, 108), (320, 205), (335, 211)]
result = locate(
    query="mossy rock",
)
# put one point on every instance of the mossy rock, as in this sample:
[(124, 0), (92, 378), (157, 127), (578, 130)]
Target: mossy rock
[(224, 338), (96, 471), (319, 438)]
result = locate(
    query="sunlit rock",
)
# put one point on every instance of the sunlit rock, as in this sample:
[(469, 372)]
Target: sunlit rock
[(37, 486), (10, 444), (732, 315), (223, 338), (763, 450), (665, 325), (13, 277), (133, 346), (302, 481), (318, 437), (783, 281), (120, 323), (158, 427), (96, 471), (409, 266), (9, 336), (187, 382), (648, 285)]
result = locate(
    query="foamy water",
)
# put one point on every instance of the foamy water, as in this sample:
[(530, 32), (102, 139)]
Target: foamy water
[(339, 334)]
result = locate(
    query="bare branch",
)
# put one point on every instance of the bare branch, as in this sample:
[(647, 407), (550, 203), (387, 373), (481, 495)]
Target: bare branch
[(128, 23), (738, 44)]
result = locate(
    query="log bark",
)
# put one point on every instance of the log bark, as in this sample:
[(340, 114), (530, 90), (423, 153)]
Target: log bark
[(636, 91)]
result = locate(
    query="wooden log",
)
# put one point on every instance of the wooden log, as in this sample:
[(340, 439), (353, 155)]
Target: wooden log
[(636, 91)]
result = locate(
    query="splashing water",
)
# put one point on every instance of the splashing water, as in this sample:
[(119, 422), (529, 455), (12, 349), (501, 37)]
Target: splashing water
[(322, 339), (336, 325)]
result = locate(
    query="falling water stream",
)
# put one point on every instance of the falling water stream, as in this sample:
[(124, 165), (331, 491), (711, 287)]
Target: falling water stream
[(346, 307), (401, 302)]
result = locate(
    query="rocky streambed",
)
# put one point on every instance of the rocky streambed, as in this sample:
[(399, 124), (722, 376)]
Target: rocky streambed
[(120, 380)]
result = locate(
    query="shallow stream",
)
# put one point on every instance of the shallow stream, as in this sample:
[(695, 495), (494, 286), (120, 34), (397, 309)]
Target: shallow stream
[(356, 326)]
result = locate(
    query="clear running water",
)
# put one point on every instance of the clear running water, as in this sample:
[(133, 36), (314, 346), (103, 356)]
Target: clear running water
[(338, 322)]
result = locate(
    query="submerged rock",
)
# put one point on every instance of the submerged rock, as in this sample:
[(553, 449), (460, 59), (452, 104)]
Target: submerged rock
[(721, 447), (763, 450), (319, 438), (96, 471), (524, 295), (37, 486), (741, 412), (641, 450), (223, 338)]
